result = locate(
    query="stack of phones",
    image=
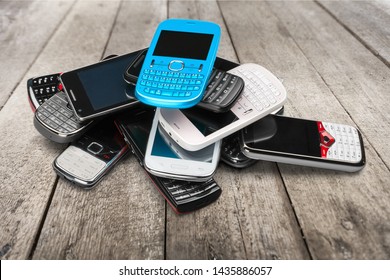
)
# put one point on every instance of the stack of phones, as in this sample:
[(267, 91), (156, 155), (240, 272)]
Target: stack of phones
[(180, 110)]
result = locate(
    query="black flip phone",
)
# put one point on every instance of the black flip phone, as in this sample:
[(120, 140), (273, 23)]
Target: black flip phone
[(86, 161), (222, 89), (182, 196)]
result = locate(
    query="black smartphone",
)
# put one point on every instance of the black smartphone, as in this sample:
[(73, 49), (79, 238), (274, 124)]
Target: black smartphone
[(182, 196), (304, 142), (99, 89), (86, 161), (222, 91)]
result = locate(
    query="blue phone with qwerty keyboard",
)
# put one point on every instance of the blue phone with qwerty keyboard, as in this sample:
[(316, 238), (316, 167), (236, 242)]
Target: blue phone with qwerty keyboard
[(178, 63)]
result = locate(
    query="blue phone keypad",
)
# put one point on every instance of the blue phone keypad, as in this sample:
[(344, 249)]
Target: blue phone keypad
[(170, 83)]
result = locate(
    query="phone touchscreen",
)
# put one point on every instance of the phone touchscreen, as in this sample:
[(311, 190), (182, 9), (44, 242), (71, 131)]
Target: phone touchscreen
[(286, 135), (99, 87)]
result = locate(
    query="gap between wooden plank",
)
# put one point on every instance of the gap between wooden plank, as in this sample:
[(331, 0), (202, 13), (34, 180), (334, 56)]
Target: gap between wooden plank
[(36, 239), (295, 213), (327, 84), (38, 54), (43, 219), (354, 34), (111, 31)]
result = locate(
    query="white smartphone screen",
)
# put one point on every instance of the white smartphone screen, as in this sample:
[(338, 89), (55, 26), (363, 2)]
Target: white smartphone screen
[(164, 157)]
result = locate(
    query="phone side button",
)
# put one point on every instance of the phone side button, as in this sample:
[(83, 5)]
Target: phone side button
[(178, 166)]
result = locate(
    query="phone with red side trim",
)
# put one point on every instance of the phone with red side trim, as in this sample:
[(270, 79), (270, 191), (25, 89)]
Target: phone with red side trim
[(182, 196), (304, 142), (40, 89)]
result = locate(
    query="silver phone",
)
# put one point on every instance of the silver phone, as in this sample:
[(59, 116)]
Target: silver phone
[(86, 161)]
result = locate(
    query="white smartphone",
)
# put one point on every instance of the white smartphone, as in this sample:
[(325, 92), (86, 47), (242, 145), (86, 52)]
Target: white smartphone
[(165, 158), (304, 142), (194, 129)]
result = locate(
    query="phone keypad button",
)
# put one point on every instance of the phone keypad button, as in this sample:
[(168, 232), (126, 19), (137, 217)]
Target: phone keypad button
[(183, 83), (45, 87), (347, 143), (55, 114)]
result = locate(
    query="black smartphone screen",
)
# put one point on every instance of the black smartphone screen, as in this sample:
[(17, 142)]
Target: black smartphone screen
[(183, 44), (104, 84), (99, 87), (285, 135), (208, 122)]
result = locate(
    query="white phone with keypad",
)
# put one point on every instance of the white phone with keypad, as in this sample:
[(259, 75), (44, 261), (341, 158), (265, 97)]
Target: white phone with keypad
[(304, 142), (194, 128)]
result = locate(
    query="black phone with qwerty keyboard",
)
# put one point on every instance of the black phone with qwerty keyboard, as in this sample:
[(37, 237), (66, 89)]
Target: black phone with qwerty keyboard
[(221, 92), (182, 196), (40, 89)]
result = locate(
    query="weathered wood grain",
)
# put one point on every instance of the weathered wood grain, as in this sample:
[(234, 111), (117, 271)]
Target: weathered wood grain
[(369, 21), (253, 218), (25, 28), (124, 216), (360, 83), (329, 75), (322, 199), (27, 177)]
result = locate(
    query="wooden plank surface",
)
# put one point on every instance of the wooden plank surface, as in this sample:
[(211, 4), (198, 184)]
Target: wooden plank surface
[(253, 218), (368, 21), (357, 204), (26, 192), (25, 27), (267, 211), (124, 216), (328, 204), (323, 200)]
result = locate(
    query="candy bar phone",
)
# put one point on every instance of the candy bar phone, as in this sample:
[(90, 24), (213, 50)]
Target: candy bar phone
[(221, 92), (165, 158), (180, 49), (99, 89), (194, 129), (304, 142), (86, 161), (182, 196)]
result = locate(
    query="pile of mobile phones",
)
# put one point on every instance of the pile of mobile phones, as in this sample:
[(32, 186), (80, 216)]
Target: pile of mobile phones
[(180, 110)]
